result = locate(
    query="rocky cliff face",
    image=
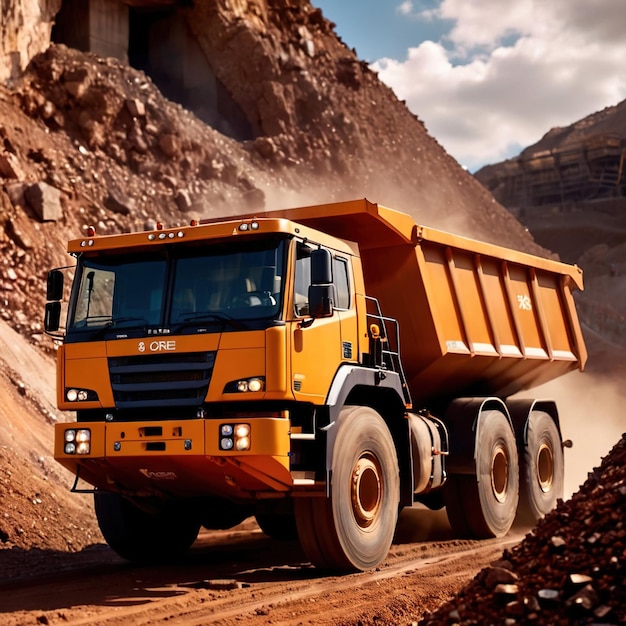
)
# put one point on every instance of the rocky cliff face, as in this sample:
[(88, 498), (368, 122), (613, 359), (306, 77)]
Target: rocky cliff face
[(25, 27)]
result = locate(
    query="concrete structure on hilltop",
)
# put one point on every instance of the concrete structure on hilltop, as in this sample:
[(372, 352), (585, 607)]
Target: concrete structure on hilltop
[(153, 36), (589, 171)]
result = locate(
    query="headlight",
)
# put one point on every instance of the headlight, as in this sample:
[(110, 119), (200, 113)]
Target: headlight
[(235, 436), (242, 430), (83, 435), (77, 441), (226, 443), (80, 395), (253, 384), (243, 443)]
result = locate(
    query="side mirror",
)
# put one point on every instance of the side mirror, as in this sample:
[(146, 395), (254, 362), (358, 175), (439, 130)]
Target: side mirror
[(321, 300), (52, 319), (322, 290), (321, 267), (54, 285)]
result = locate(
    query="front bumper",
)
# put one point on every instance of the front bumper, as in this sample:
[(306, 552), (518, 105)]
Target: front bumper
[(180, 458)]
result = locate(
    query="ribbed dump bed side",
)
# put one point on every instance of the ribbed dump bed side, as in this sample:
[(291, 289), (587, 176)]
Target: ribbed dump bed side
[(474, 318), (473, 324)]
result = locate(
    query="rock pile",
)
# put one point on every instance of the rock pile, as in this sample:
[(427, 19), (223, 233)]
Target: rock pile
[(571, 569)]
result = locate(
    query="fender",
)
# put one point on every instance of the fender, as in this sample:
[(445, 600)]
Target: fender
[(462, 418), (347, 380), (520, 411)]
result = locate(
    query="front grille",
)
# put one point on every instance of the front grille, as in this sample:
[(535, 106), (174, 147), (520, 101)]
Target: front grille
[(156, 380)]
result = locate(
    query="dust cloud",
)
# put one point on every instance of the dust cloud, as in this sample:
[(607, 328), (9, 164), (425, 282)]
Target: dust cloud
[(591, 414)]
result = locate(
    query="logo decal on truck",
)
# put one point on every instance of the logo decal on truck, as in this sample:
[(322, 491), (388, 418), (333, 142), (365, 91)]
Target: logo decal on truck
[(157, 346), (158, 475), (524, 302)]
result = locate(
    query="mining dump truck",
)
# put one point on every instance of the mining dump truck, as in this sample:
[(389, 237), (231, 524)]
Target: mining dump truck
[(319, 368)]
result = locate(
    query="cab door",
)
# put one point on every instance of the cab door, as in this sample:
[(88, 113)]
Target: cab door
[(317, 348)]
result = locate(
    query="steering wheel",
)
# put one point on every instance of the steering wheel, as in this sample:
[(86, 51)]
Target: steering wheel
[(253, 298)]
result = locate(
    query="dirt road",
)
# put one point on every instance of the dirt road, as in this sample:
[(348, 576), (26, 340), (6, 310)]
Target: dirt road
[(242, 576)]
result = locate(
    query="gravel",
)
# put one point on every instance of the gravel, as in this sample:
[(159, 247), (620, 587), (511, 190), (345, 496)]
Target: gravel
[(571, 569)]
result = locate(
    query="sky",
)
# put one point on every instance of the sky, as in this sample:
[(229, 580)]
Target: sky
[(490, 77)]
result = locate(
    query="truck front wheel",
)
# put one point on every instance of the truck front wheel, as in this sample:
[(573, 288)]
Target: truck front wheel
[(145, 534), (484, 505), (354, 527), (277, 519), (542, 469)]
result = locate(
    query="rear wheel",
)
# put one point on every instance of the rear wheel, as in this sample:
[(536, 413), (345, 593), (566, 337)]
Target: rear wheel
[(354, 527), (542, 469), (145, 534), (484, 505)]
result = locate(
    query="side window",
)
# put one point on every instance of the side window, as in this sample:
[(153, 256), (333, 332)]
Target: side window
[(342, 283), (303, 279)]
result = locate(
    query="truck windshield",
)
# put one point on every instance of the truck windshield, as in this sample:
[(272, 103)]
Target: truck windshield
[(227, 285)]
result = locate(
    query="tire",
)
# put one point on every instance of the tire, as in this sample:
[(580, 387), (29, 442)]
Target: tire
[(353, 528), (278, 520), (542, 469), (484, 505), (221, 514), (139, 535)]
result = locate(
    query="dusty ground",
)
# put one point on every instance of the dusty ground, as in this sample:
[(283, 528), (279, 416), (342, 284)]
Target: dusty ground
[(241, 576)]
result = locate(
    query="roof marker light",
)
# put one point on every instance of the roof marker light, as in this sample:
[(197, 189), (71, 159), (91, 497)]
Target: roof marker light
[(91, 231), (159, 225), (193, 223)]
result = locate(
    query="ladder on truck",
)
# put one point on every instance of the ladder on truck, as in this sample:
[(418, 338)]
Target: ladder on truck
[(388, 358)]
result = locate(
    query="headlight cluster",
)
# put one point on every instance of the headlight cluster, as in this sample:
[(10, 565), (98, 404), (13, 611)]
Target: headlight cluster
[(235, 437), (80, 395), (254, 384), (77, 441)]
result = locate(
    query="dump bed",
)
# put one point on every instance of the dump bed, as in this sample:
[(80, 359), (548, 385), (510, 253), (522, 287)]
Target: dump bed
[(475, 318)]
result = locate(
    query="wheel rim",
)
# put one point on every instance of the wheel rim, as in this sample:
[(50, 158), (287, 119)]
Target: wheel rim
[(499, 473), (366, 490), (545, 467)]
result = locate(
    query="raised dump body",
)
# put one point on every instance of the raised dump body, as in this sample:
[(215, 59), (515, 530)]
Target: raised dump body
[(475, 318)]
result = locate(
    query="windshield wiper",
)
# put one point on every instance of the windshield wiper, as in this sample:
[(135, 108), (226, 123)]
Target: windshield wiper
[(114, 321), (217, 316)]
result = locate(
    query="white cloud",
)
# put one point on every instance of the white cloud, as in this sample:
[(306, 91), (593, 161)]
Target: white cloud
[(507, 72), (406, 8)]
